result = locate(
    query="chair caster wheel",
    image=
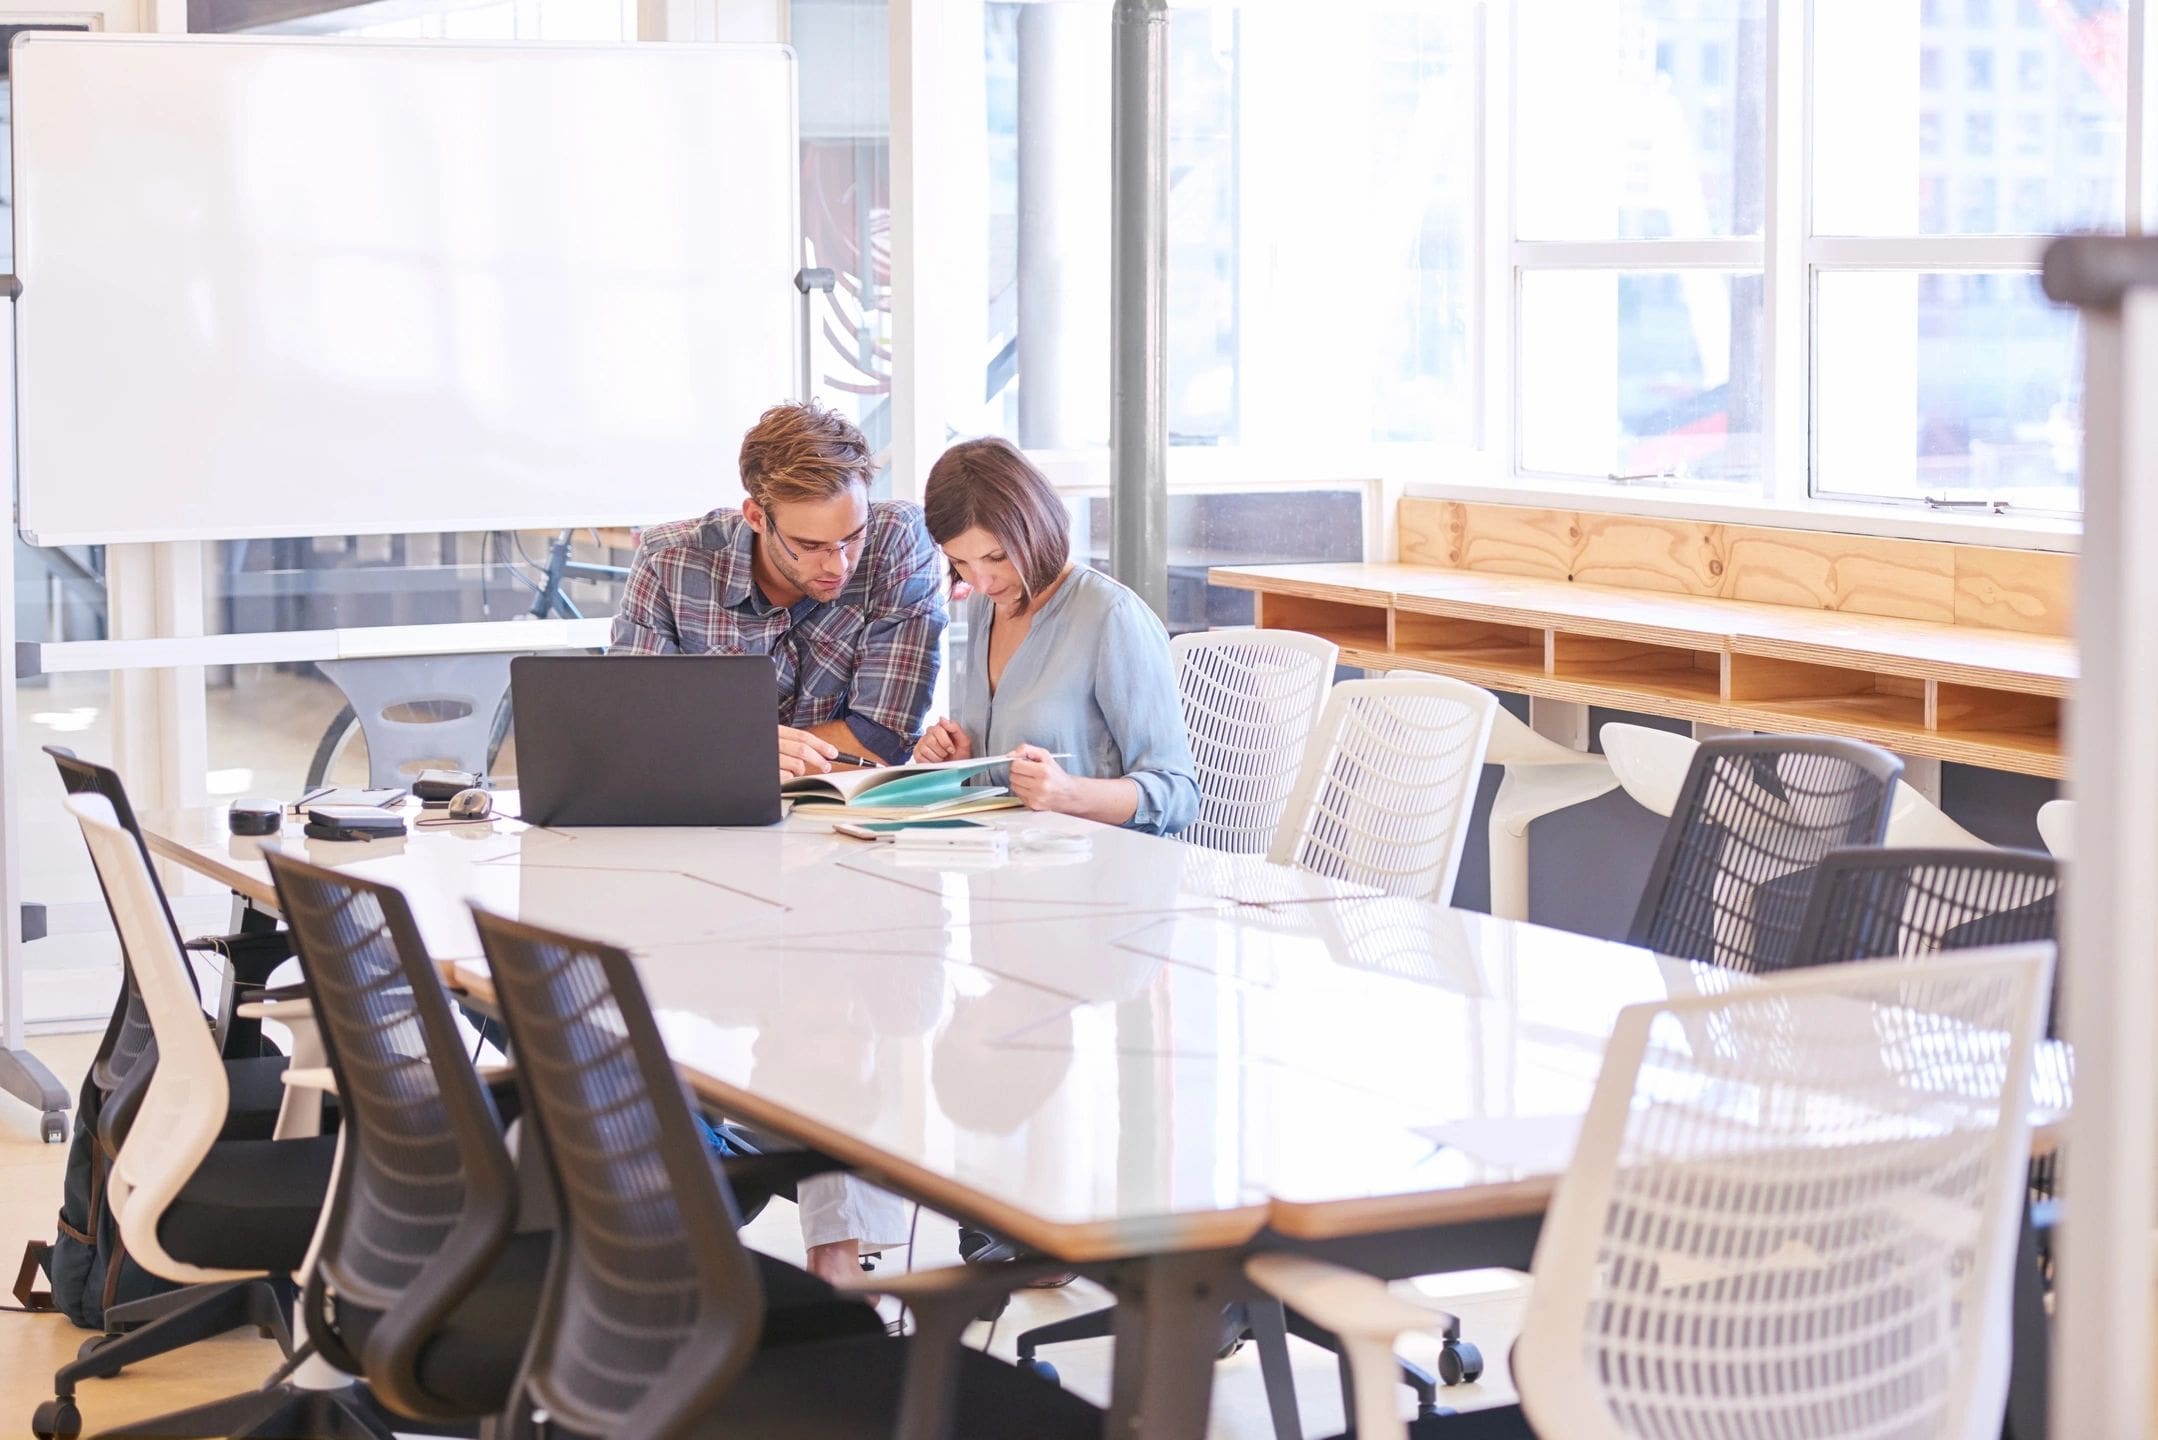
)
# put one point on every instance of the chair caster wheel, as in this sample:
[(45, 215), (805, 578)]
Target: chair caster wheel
[(94, 1344), (1460, 1363), (1229, 1348), (56, 1420), (1039, 1369)]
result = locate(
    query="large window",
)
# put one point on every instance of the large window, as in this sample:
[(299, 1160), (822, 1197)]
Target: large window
[(1914, 359), (1639, 244), (1941, 374), (846, 118), (1322, 217)]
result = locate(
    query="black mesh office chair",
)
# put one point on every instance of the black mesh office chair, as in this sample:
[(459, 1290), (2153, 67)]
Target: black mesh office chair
[(126, 1054), (1753, 822), (250, 955), (1874, 904), (428, 1276), (649, 1324), (422, 1283), (191, 1204)]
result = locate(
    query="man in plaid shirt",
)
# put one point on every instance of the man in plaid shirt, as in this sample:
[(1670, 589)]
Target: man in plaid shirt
[(844, 594)]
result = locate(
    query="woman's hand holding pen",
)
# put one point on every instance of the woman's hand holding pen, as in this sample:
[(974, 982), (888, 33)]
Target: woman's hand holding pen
[(1040, 782)]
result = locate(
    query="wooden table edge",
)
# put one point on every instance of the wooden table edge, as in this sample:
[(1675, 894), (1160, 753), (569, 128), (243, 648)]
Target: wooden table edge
[(261, 892)]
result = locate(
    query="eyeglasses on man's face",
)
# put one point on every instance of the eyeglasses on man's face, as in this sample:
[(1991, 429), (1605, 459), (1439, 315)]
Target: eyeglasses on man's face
[(801, 550)]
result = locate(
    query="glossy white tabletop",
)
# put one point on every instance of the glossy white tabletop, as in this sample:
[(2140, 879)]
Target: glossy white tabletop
[(639, 887), (1137, 1047), (1098, 1084)]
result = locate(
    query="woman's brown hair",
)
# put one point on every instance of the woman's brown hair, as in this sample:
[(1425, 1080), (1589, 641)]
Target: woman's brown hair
[(988, 484)]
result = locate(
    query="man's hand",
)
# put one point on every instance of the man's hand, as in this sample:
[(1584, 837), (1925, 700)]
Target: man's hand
[(801, 753), (1039, 782), (943, 741)]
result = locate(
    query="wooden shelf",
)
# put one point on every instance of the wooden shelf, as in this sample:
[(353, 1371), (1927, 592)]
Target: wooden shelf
[(1958, 692), (1635, 667), (1359, 626), (1475, 644)]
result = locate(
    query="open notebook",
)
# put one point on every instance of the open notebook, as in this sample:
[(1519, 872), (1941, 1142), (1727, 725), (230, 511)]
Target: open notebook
[(897, 791)]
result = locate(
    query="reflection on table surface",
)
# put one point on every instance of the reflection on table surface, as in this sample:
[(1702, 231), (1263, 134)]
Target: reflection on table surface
[(1099, 1049)]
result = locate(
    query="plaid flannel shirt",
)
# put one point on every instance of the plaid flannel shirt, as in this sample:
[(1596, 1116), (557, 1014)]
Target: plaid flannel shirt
[(868, 658)]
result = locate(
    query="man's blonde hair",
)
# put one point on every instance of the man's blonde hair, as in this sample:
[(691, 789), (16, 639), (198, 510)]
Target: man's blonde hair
[(803, 452)]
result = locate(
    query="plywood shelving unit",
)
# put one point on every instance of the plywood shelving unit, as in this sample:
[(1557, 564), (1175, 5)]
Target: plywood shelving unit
[(1954, 652)]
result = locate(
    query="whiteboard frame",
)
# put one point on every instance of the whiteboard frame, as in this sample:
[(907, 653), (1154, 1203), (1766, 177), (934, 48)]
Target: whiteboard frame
[(601, 513)]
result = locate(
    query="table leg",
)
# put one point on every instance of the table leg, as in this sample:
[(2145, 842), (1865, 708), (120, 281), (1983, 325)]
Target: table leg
[(1168, 1327), (2030, 1341), (1270, 1332)]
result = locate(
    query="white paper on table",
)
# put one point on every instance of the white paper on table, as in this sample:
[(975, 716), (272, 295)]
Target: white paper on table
[(1525, 1144)]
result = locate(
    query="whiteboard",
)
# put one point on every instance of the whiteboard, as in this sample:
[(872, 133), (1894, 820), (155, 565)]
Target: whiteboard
[(325, 287)]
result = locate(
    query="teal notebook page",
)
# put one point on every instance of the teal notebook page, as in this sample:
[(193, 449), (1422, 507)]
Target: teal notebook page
[(933, 787)]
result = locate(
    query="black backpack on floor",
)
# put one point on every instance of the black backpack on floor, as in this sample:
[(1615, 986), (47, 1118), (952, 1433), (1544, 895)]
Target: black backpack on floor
[(87, 1268)]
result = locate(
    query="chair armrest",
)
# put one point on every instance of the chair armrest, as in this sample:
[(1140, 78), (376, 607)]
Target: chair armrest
[(1347, 1302), (300, 1010), (251, 957), (944, 1302), (777, 1172), (295, 991), (313, 1077), (967, 1284)]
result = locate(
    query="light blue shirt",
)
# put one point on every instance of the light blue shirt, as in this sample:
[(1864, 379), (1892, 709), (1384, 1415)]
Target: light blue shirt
[(1091, 680)]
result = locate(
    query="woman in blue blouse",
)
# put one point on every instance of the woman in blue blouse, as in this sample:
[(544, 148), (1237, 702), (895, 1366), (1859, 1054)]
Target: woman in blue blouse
[(1057, 658)]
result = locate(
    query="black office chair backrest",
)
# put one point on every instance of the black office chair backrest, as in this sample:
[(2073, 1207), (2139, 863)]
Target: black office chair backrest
[(1753, 822), (1877, 904), (652, 1307), (426, 1193), (127, 1039)]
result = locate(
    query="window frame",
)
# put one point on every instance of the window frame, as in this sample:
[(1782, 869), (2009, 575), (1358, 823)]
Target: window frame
[(1486, 462), (1941, 254), (1735, 255), (1791, 259)]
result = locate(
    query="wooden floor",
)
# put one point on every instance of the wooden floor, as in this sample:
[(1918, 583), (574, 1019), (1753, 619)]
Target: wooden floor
[(32, 1346)]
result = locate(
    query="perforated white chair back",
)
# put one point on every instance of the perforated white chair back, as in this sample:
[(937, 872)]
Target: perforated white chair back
[(1387, 785), (1793, 1210), (1250, 699), (185, 1104)]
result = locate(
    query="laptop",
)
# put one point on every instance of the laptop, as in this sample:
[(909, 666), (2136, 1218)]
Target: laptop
[(646, 739)]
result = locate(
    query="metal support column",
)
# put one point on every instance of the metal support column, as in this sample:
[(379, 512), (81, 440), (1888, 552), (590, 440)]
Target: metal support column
[(2109, 987), (1139, 286), (22, 1074)]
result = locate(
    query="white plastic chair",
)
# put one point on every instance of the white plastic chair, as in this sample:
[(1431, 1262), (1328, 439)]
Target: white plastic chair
[(1793, 1210), (1651, 765), (1250, 698), (1387, 785), (2056, 828), (1542, 776)]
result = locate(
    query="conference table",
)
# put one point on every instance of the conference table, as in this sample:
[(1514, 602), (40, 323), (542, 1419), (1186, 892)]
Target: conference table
[(1143, 1058)]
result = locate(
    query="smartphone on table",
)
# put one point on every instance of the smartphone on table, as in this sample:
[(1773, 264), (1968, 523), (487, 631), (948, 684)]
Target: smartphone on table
[(880, 829)]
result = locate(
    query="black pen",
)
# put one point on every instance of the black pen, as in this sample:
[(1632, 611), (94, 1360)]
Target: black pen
[(843, 758)]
